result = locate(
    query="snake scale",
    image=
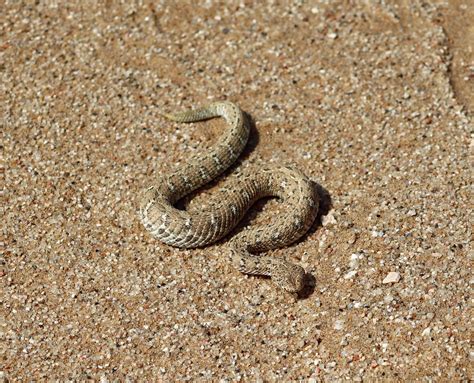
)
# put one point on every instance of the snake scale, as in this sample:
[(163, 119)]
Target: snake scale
[(226, 207)]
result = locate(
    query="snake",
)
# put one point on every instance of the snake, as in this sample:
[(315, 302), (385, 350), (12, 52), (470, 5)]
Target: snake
[(195, 228)]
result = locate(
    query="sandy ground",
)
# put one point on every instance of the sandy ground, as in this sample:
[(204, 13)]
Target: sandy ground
[(370, 99)]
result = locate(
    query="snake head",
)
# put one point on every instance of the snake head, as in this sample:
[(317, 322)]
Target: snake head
[(288, 276)]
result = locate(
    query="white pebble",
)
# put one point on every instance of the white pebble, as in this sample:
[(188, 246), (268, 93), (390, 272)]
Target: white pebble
[(328, 219), (350, 274), (376, 233), (411, 213), (354, 262), (338, 324), (426, 331), (392, 277)]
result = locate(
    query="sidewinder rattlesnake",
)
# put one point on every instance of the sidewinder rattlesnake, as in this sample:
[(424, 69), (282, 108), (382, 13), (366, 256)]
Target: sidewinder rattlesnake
[(189, 229)]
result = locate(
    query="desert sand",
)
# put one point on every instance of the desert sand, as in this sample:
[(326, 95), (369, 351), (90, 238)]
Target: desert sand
[(372, 100)]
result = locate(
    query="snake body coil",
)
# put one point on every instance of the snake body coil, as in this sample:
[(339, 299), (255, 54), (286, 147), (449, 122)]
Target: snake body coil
[(227, 206)]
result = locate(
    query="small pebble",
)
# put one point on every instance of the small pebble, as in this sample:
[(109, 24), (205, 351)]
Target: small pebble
[(338, 324), (328, 219), (350, 274), (376, 233), (426, 331), (411, 213), (392, 277)]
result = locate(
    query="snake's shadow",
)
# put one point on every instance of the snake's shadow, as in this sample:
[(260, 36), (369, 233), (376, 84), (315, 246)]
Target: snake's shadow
[(252, 142), (325, 205)]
